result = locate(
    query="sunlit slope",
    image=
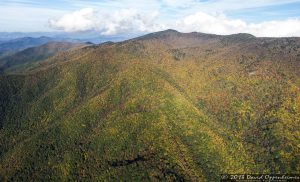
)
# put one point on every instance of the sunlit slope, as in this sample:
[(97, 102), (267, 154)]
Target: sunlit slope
[(153, 109)]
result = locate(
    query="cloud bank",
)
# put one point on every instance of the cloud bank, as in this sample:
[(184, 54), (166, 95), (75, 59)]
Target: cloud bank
[(77, 21), (121, 21), (133, 21), (221, 24)]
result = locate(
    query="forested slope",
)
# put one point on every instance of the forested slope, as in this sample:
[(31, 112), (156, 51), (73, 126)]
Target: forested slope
[(165, 106)]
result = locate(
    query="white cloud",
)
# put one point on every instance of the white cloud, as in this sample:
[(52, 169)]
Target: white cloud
[(283, 28), (129, 20), (113, 17), (221, 24), (217, 24), (81, 20), (132, 21), (121, 21)]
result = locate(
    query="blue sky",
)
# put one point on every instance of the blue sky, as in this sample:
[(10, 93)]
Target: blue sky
[(113, 17)]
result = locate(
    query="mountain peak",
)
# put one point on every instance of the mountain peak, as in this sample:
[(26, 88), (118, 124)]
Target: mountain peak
[(158, 35), (242, 35), (170, 30)]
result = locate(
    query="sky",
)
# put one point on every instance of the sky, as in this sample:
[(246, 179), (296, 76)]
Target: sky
[(262, 18)]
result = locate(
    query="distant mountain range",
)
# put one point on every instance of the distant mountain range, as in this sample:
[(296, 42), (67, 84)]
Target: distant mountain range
[(12, 46), (166, 106), (90, 36), (15, 45), (12, 42), (35, 54)]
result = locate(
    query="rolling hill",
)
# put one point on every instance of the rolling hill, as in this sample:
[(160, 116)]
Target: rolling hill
[(167, 106), (20, 60), (13, 46)]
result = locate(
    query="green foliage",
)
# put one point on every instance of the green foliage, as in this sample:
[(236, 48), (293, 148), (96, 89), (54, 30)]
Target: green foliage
[(131, 112)]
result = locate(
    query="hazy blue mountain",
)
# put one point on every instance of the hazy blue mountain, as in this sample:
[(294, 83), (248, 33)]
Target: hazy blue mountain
[(88, 36), (12, 46), (35, 54)]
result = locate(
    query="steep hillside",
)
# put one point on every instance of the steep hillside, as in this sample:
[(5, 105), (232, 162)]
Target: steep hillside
[(34, 54), (166, 106)]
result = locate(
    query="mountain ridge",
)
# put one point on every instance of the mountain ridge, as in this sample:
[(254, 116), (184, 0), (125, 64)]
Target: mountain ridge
[(12, 46), (35, 54), (160, 108)]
